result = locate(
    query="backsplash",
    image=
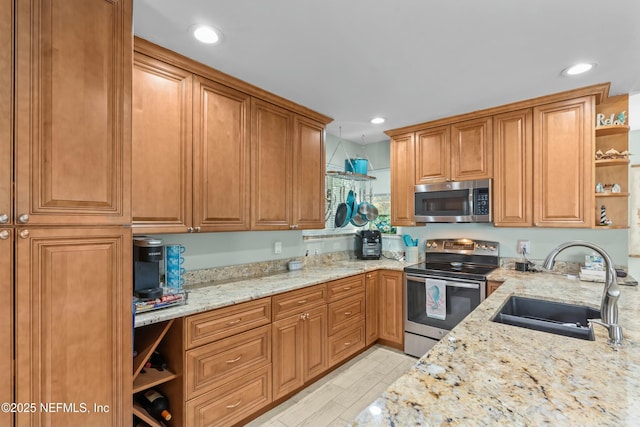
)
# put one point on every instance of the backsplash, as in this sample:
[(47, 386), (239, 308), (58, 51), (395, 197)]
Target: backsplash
[(218, 275)]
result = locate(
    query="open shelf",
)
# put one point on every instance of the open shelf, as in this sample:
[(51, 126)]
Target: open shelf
[(612, 162), (612, 194), (612, 130), (147, 339), (152, 377), (350, 176), (141, 413)]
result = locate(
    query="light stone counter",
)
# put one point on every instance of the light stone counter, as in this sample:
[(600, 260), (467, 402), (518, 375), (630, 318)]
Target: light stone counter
[(206, 297), (490, 374)]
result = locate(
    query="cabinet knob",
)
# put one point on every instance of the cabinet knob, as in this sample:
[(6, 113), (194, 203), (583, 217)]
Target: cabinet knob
[(293, 226), (197, 229), (4, 218), (190, 230), (24, 234), (23, 219), (4, 234)]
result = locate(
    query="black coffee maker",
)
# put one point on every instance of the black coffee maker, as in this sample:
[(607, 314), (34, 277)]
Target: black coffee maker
[(147, 255), (368, 244)]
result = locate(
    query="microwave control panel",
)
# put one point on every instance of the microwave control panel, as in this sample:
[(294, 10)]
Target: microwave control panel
[(481, 201)]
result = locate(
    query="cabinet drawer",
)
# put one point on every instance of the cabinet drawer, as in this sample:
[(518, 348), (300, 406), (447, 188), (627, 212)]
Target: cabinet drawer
[(216, 363), (232, 402), (298, 301), (345, 313), (344, 344), (224, 322), (344, 287)]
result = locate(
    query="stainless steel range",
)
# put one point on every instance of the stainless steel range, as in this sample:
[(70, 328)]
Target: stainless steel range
[(444, 289)]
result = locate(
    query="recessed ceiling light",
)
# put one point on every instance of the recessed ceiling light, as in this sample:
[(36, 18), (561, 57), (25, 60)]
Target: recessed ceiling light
[(578, 69), (377, 120), (206, 34)]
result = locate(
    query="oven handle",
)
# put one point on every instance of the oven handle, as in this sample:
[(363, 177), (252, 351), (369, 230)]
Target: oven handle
[(469, 285)]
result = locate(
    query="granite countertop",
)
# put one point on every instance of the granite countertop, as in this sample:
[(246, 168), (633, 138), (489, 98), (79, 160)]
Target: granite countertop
[(208, 296), (490, 374)]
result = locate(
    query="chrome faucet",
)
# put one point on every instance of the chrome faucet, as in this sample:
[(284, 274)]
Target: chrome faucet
[(610, 294)]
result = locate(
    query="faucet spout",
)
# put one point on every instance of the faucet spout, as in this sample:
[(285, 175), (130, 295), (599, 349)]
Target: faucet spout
[(610, 293)]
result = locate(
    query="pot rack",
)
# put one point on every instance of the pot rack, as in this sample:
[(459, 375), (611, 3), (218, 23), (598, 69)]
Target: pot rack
[(352, 176), (338, 183)]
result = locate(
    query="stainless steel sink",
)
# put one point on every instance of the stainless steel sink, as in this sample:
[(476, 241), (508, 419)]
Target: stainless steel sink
[(548, 316)]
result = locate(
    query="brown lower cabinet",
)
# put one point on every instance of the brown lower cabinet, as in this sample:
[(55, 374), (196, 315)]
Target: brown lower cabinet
[(391, 308), (227, 365), (492, 285)]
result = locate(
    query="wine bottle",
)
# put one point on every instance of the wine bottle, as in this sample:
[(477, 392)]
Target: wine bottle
[(156, 404)]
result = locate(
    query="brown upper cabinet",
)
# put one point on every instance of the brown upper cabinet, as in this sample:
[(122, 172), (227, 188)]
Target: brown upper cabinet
[(288, 168), (272, 166), (539, 153), (72, 144), (162, 146), (231, 156), (563, 163), (461, 151), (544, 165), (513, 168), (402, 179)]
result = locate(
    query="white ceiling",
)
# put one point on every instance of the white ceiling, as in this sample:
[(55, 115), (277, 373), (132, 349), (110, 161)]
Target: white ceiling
[(407, 60)]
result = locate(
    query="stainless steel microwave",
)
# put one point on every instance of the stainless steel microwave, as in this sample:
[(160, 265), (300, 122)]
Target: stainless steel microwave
[(454, 201)]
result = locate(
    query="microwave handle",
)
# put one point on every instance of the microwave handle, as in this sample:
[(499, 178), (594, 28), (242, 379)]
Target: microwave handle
[(471, 208)]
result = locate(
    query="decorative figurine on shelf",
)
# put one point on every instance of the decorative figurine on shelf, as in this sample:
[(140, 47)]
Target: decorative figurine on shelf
[(613, 120), (615, 188), (599, 188), (621, 118), (603, 216)]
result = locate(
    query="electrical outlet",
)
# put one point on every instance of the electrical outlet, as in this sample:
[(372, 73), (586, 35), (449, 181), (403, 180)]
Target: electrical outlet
[(524, 246), (277, 248)]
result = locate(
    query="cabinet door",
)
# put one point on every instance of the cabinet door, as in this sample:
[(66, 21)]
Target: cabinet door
[(287, 345), (308, 174), (315, 342), (6, 113), (372, 306), (271, 160), (161, 152), (513, 169), (402, 180), (73, 324), (563, 163), (391, 314), (6, 323), (433, 155), (221, 157), (73, 119), (472, 149)]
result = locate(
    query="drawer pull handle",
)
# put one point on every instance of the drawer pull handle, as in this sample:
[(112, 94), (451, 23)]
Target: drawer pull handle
[(304, 301), (234, 322), (347, 343), (235, 405), (234, 360), (347, 313), (346, 288)]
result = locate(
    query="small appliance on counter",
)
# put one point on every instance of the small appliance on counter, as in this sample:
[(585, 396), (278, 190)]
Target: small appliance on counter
[(368, 244), (148, 294), (147, 255)]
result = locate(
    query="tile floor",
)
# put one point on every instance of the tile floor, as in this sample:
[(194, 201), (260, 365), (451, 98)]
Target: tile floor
[(337, 398)]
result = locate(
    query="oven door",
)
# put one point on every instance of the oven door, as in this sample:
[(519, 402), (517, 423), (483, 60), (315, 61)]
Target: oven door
[(463, 296)]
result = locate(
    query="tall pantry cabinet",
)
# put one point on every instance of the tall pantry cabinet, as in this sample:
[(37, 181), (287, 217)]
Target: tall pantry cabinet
[(65, 215)]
